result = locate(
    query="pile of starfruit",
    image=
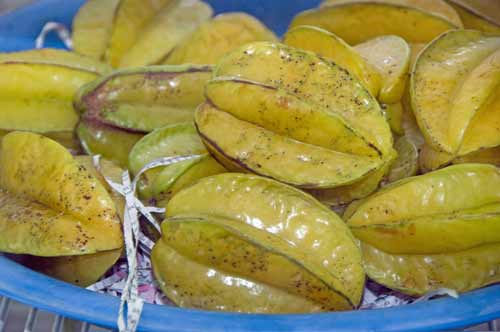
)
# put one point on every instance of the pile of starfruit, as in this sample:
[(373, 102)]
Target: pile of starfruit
[(364, 143)]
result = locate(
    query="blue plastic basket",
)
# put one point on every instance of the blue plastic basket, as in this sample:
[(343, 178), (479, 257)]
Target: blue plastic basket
[(18, 30)]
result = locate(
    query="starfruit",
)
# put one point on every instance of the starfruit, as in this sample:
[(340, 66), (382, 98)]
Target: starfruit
[(343, 195), (262, 152), (408, 121), (484, 156), (380, 64), (436, 230), (217, 37), (390, 55), (51, 204), (406, 164), (358, 21), (402, 165), (314, 80), (158, 38), (82, 270), (411, 130), (436, 7), (66, 138), (271, 103), (328, 45), (92, 27), (420, 274), (369, 65), (449, 210), (478, 15), (37, 89), (143, 99), (135, 32), (431, 159), (110, 142), (58, 207), (394, 114), (120, 108), (238, 242), (161, 183), (464, 64)]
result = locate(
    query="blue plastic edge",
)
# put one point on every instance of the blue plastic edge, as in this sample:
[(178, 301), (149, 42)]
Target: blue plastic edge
[(17, 31), (38, 290)]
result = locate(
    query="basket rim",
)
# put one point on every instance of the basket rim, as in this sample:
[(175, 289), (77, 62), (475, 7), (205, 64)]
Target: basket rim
[(45, 293)]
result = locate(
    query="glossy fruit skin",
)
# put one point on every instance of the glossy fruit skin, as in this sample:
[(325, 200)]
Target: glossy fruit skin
[(403, 164), (92, 27), (143, 99), (430, 159), (130, 18), (482, 15), (390, 55), (180, 19), (484, 156), (288, 69), (139, 24), (308, 166), (382, 65), (420, 274), (463, 63), (358, 22), (110, 142), (406, 164), (236, 216), (287, 110), (120, 108), (68, 139), (68, 225), (56, 57), (343, 195), (435, 7), (423, 232), (328, 45), (84, 270), (38, 88), (411, 212), (279, 111), (121, 32), (50, 204), (394, 113), (161, 183), (215, 38)]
